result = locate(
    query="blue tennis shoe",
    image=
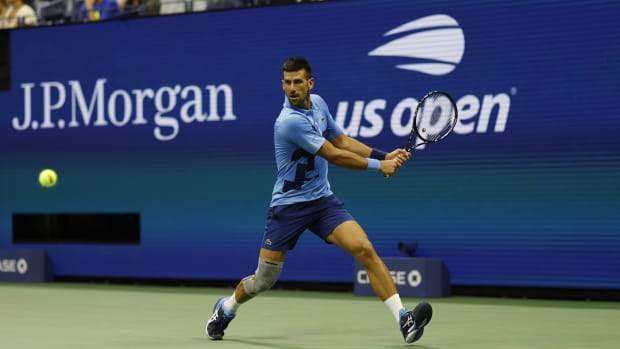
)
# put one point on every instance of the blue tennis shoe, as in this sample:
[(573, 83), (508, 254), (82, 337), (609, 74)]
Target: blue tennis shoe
[(219, 321), (412, 322)]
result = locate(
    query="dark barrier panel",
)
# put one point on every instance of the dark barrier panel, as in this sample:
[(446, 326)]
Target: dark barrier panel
[(413, 277), (172, 118), (5, 60), (110, 228), (24, 265)]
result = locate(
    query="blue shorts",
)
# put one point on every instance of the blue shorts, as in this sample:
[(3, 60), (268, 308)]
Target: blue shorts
[(286, 223)]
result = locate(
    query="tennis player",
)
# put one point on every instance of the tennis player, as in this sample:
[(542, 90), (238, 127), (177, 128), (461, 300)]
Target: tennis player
[(306, 139)]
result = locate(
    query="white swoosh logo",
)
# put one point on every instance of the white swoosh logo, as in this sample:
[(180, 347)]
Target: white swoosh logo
[(437, 45)]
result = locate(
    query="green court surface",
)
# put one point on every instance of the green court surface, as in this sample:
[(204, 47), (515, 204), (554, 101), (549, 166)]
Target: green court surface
[(65, 315)]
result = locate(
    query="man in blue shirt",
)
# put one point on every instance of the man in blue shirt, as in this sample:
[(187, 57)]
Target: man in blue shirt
[(306, 139)]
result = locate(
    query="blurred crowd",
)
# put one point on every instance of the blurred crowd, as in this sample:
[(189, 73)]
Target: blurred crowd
[(24, 13)]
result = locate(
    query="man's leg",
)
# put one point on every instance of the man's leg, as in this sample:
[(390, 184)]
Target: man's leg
[(351, 237), (268, 270), (240, 294)]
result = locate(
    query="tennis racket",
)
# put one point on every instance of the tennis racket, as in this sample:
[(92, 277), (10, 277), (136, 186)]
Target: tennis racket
[(433, 120)]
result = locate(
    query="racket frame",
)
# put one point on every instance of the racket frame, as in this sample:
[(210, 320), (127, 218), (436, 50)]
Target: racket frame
[(414, 128)]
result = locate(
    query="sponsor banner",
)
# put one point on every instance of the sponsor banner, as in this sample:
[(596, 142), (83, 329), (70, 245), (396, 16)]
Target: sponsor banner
[(24, 265), (172, 117), (180, 90), (413, 277)]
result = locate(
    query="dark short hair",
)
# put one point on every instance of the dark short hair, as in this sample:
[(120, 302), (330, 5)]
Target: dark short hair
[(294, 64)]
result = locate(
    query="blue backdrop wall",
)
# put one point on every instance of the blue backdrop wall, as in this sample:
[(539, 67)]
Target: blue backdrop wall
[(172, 117)]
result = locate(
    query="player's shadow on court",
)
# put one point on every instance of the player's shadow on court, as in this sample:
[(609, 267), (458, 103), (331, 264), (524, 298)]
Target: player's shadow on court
[(270, 342)]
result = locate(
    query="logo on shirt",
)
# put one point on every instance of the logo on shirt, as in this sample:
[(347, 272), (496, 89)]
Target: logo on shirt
[(433, 45)]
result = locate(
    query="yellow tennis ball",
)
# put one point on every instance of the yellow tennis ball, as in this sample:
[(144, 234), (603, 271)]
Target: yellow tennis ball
[(48, 178)]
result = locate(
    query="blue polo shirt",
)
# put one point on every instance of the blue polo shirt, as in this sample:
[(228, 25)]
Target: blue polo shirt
[(298, 136)]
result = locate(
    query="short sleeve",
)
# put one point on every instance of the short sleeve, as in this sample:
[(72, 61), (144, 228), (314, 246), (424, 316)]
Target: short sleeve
[(299, 131)]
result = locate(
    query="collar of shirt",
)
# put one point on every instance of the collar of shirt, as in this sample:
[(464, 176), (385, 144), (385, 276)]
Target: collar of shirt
[(308, 112)]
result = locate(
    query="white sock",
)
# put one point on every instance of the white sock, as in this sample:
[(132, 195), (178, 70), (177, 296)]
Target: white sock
[(395, 305), (231, 303)]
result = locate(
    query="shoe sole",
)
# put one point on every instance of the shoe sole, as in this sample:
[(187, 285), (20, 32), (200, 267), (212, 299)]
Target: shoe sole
[(422, 311)]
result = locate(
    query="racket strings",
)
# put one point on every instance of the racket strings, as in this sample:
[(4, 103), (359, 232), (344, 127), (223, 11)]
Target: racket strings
[(436, 117)]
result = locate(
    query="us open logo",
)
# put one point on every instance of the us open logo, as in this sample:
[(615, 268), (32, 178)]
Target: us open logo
[(435, 44)]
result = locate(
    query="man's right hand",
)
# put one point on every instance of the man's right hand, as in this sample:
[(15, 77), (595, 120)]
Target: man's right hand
[(389, 167)]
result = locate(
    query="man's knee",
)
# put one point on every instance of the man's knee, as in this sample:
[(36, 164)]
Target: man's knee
[(265, 277), (363, 249)]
